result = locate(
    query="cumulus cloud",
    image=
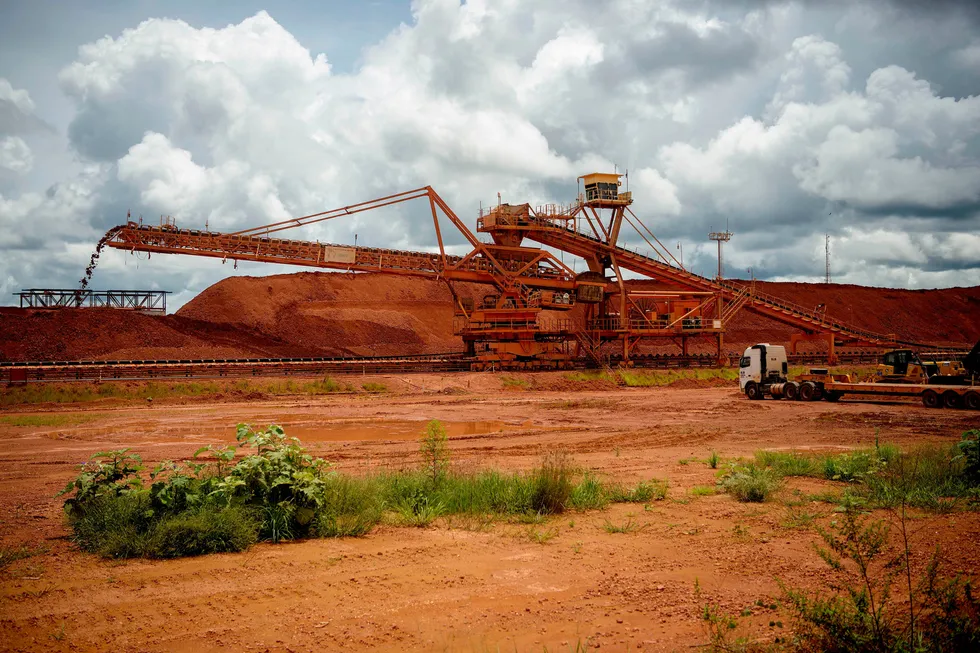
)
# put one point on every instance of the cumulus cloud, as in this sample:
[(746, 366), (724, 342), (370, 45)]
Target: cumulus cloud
[(17, 111), (815, 68), (746, 117), (15, 155), (848, 161), (862, 169)]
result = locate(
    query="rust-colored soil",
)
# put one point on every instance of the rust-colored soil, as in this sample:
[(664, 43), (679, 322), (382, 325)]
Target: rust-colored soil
[(461, 584), (364, 314), (949, 315), (331, 314)]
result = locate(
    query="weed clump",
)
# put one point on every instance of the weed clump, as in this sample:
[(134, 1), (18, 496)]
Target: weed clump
[(552, 484), (751, 484), (713, 459)]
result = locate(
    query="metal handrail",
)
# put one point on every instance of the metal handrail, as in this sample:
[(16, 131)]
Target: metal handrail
[(754, 295)]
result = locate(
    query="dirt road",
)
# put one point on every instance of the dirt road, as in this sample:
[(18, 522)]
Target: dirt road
[(462, 584)]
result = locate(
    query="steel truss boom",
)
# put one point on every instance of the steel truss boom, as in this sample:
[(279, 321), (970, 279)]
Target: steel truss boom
[(505, 267)]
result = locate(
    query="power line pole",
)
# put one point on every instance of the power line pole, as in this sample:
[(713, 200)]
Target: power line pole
[(827, 249)]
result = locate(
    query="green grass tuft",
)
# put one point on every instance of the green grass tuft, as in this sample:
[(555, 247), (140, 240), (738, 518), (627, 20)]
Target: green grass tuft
[(752, 484), (645, 492), (626, 528), (53, 419), (11, 554), (512, 383), (787, 463), (588, 494)]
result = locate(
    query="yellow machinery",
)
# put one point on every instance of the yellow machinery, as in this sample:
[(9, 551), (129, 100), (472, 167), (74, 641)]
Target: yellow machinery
[(905, 366)]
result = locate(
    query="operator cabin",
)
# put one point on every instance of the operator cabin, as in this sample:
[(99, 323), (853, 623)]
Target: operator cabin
[(601, 186)]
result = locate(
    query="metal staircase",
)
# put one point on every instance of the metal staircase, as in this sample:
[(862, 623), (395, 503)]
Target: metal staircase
[(738, 295)]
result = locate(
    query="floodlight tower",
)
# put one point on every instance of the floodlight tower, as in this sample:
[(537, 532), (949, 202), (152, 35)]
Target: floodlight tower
[(721, 237), (827, 249)]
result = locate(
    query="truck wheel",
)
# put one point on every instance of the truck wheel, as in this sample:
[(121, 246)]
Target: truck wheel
[(951, 399), (752, 391), (930, 399), (972, 400), (807, 391), (833, 396), (792, 390)]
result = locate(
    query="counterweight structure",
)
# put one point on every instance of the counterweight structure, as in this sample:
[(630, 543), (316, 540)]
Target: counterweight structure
[(538, 311)]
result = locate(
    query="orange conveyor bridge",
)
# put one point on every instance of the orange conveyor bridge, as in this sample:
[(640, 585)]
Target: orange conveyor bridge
[(527, 318)]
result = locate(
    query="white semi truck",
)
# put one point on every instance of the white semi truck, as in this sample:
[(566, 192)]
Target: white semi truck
[(763, 371)]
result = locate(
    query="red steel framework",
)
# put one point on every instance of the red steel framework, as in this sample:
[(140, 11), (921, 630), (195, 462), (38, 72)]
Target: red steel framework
[(509, 325)]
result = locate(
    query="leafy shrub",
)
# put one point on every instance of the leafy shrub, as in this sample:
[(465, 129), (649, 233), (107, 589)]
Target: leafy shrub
[(969, 449), (199, 508), (751, 484), (110, 473)]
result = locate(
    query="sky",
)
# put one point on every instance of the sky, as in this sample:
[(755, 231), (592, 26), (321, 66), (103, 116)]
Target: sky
[(784, 121)]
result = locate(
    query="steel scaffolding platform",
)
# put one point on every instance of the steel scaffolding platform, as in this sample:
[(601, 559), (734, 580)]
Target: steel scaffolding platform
[(149, 301)]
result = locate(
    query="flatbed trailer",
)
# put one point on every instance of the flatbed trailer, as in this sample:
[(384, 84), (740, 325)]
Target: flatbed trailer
[(763, 373), (933, 396)]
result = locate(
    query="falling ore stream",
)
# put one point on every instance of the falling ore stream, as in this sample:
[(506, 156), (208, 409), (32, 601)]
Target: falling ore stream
[(94, 261)]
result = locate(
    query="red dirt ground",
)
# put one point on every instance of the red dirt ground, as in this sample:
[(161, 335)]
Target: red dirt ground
[(329, 314), (461, 584)]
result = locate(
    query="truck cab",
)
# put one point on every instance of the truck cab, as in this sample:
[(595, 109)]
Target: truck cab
[(762, 366)]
